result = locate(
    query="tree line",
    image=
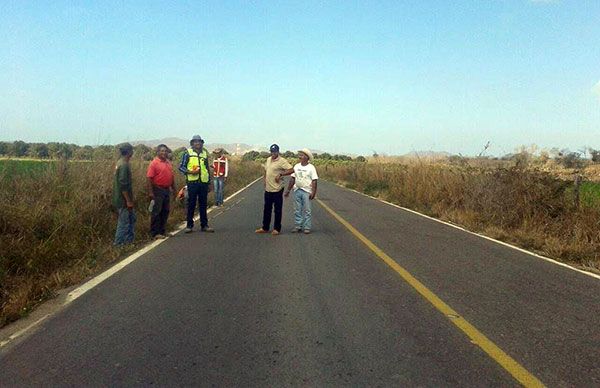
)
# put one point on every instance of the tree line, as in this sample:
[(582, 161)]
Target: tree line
[(255, 155), (55, 150)]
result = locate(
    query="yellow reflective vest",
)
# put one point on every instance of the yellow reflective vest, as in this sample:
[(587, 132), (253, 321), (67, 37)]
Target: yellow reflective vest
[(197, 161)]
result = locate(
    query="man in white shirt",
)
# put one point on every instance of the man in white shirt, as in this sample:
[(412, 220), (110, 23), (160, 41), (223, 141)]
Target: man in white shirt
[(304, 182)]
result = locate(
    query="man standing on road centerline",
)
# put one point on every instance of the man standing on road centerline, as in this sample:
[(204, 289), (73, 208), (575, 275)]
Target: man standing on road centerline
[(275, 167), (161, 183), (123, 197), (304, 181), (220, 172), (194, 165)]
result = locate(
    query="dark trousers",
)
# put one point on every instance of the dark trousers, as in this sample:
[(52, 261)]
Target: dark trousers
[(197, 192), (160, 212), (273, 199)]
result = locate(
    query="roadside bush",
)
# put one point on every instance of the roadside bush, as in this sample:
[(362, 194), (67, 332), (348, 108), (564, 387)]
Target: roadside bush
[(57, 226), (526, 207)]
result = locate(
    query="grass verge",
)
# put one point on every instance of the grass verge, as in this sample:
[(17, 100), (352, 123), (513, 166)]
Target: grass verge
[(57, 225), (527, 208)]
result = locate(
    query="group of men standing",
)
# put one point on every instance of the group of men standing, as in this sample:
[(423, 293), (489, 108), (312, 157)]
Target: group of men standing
[(196, 167), (303, 182)]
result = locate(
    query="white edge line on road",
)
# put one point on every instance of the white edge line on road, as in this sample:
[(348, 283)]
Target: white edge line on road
[(122, 264), (79, 291), (476, 234), (22, 331)]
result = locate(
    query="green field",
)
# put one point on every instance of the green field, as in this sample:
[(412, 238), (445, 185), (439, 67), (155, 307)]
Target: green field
[(14, 167), (590, 194)]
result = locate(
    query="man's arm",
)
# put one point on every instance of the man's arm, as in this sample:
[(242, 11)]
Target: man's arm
[(173, 187), (185, 158), (313, 191), (128, 200), (125, 184), (289, 171), (150, 187), (290, 185)]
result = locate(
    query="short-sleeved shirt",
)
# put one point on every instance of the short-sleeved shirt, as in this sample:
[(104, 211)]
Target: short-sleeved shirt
[(274, 168), (121, 183), (161, 172), (304, 175)]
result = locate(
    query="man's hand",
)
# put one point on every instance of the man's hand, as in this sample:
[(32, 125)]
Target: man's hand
[(311, 197), (130, 205), (286, 193)]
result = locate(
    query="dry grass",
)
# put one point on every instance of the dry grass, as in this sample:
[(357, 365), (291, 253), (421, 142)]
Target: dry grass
[(57, 227), (532, 209)]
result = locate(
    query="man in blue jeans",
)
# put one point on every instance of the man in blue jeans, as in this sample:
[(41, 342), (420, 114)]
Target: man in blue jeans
[(194, 165), (304, 181), (122, 199)]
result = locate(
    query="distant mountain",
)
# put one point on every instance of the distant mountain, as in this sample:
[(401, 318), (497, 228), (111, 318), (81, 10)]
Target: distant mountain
[(175, 142), (232, 148), (172, 142), (428, 155)]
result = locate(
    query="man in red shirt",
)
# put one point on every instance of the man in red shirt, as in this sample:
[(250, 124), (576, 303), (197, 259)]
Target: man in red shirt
[(161, 183)]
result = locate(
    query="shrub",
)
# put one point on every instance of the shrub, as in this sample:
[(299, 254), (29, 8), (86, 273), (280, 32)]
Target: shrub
[(526, 207), (57, 227)]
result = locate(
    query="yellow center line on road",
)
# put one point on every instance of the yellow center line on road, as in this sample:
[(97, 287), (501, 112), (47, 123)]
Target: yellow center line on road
[(521, 374)]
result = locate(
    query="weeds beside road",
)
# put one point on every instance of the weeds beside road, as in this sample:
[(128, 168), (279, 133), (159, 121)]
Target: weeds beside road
[(57, 225), (531, 209)]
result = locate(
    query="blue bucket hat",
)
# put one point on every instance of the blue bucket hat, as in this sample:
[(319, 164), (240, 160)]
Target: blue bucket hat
[(196, 138)]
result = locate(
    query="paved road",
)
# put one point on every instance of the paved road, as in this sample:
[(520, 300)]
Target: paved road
[(235, 308)]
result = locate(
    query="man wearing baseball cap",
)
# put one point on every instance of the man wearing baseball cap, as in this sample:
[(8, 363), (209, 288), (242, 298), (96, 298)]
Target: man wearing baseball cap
[(275, 167), (194, 165)]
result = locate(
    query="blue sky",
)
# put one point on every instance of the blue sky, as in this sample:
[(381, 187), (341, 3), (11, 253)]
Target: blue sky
[(340, 76)]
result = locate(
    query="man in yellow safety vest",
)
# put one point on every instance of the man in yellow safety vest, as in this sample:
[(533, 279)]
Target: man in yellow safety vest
[(195, 166)]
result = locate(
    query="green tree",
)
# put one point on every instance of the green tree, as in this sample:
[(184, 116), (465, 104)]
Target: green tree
[(104, 152), (361, 159), (39, 150), (250, 155), (65, 151), (84, 153), (19, 148)]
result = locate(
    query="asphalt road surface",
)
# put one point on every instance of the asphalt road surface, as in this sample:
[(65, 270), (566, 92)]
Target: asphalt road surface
[(235, 308)]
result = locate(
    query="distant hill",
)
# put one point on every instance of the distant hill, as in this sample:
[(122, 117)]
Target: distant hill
[(175, 142), (430, 155), (232, 148)]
